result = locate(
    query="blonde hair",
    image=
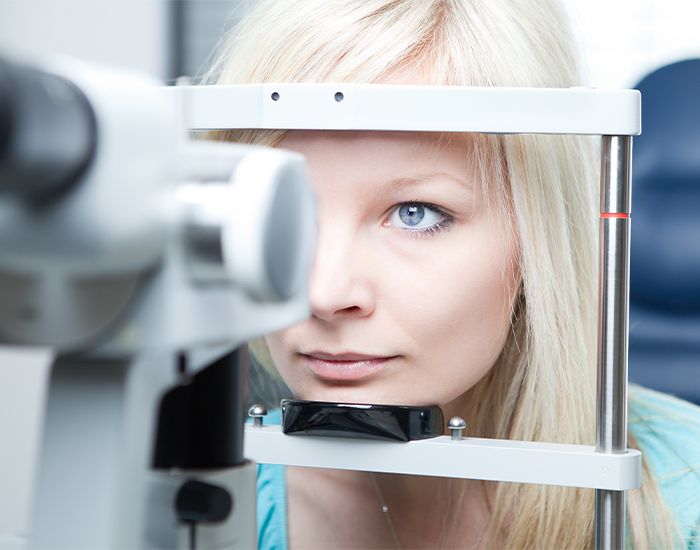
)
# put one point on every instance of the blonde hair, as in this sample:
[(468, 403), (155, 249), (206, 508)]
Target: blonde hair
[(542, 388)]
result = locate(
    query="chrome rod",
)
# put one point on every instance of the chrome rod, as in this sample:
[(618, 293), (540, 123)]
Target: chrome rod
[(610, 519), (616, 174), (613, 311)]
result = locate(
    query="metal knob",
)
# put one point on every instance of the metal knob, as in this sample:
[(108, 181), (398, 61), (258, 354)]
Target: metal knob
[(257, 412), (456, 425)]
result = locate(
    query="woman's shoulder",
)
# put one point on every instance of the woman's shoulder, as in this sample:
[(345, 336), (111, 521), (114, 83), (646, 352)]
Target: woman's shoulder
[(668, 427), (667, 430)]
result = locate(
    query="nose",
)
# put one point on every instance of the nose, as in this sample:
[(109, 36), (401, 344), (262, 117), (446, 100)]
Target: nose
[(340, 286)]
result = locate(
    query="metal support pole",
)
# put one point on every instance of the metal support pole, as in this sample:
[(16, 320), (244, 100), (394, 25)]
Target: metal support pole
[(613, 311)]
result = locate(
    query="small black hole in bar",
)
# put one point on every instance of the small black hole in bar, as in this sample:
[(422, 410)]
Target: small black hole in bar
[(275, 96), (339, 96)]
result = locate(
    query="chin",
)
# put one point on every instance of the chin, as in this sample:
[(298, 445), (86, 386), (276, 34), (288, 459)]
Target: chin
[(358, 394)]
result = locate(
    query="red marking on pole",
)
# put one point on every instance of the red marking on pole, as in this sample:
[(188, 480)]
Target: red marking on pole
[(621, 215)]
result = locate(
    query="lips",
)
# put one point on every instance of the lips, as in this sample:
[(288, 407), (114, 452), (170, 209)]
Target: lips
[(343, 356), (347, 366)]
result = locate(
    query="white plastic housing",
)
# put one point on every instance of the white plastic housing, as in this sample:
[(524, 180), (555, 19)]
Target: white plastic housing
[(116, 220)]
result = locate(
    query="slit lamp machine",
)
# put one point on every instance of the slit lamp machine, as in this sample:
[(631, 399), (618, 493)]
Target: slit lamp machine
[(144, 258)]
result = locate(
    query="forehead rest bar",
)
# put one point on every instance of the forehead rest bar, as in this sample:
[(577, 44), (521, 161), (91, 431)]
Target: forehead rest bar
[(583, 111)]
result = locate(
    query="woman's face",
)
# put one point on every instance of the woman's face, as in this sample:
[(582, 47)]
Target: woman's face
[(414, 277)]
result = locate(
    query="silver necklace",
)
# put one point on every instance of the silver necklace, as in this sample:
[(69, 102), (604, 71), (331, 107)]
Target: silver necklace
[(385, 511)]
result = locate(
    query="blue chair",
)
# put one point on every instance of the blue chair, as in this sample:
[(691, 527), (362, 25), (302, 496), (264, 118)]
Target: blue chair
[(665, 255)]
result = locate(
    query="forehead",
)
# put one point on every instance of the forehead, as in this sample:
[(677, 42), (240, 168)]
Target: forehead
[(385, 139), (381, 151), (349, 165)]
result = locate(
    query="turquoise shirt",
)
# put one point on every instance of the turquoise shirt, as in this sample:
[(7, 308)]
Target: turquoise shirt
[(668, 432)]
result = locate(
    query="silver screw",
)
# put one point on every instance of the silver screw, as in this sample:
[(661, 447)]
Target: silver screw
[(257, 412), (456, 425)]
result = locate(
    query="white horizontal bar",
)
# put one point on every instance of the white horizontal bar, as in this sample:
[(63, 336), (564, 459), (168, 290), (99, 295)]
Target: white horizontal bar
[(412, 108), (469, 458)]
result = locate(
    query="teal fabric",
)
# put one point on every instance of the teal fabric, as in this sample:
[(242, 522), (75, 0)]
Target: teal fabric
[(668, 432)]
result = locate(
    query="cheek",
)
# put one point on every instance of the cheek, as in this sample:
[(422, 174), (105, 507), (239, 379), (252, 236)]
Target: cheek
[(275, 343), (467, 277), (281, 350), (456, 309)]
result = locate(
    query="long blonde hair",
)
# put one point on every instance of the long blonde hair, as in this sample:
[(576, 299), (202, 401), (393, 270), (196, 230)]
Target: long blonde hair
[(542, 388)]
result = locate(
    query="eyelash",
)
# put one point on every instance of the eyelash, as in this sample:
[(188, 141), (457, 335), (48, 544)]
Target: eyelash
[(431, 231)]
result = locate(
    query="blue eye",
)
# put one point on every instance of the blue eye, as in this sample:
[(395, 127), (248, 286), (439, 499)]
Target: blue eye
[(419, 217), (412, 214)]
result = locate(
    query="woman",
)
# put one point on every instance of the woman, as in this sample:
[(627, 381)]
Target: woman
[(451, 269)]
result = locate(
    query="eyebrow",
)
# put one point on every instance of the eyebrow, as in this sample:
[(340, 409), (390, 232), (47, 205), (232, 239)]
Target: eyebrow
[(423, 177)]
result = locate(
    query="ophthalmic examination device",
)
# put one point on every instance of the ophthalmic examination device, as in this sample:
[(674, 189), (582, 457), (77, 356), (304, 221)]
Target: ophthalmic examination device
[(145, 258)]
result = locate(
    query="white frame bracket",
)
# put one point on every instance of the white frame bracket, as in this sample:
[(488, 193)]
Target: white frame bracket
[(467, 458)]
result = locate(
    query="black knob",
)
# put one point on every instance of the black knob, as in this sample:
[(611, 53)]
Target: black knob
[(48, 132), (199, 502)]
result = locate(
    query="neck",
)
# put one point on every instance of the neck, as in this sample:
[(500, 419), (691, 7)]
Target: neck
[(430, 511), (330, 508), (451, 512)]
